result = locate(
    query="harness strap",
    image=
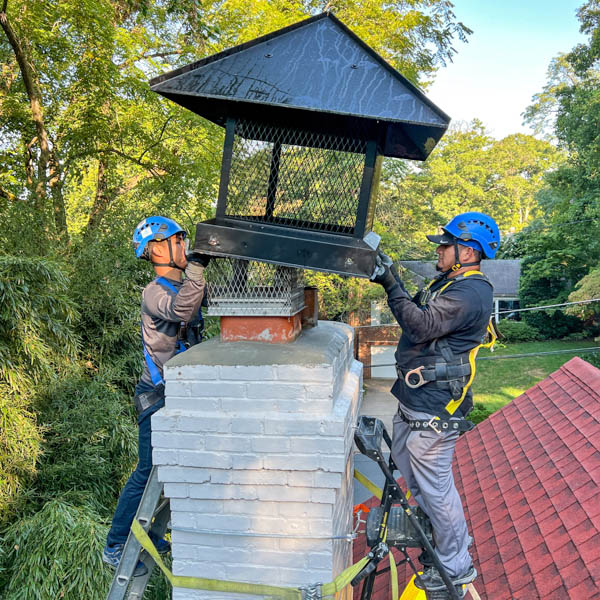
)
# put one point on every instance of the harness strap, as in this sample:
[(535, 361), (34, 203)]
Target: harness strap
[(454, 371), (491, 331), (154, 371)]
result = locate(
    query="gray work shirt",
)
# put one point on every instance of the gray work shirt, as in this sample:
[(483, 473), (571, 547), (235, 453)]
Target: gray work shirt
[(163, 311)]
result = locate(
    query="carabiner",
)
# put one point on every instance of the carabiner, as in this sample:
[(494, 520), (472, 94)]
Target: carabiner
[(420, 381)]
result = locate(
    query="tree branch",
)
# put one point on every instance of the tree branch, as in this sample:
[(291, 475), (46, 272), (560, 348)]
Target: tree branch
[(47, 171), (5, 193), (162, 131), (150, 168), (34, 95)]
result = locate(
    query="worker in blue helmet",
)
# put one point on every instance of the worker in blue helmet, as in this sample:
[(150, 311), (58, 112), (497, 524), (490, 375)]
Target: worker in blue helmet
[(170, 304), (443, 327)]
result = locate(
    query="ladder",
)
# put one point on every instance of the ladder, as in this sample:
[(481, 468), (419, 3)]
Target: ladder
[(153, 514), (395, 523), (388, 525)]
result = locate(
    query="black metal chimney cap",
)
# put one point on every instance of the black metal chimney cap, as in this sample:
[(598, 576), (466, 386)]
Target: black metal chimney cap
[(316, 74)]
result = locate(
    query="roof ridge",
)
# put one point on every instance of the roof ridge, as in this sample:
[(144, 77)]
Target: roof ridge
[(586, 373)]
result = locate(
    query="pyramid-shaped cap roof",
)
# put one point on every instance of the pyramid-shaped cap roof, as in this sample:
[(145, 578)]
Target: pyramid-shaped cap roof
[(315, 74)]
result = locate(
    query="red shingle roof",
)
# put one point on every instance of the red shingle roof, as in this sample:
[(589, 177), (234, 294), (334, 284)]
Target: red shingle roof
[(529, 477)]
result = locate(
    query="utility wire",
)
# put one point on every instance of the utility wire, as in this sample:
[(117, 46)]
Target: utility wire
[(503, 312), (526, 355)]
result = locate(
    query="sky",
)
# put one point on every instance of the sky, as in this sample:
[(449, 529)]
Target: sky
[(494, 76)]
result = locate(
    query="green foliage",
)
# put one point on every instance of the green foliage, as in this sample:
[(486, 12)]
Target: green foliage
[(37, 319), (20, 440), (480, 412), (339, 297), (107, 282), (55, 553), (592, 357), (37, 344), (517, 331), (563, 249), (90, 444), (553, 324), (588, 288), (468, 170)]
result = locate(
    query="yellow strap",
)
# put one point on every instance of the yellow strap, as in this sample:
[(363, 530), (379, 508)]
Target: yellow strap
[(469, 273), (393, 575), (452, 280), (344, 578), (454, 404), (238, 587), (377, 492)]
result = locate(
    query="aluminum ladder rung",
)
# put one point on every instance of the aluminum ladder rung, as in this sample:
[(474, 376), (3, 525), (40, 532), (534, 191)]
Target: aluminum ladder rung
[(153, 514)]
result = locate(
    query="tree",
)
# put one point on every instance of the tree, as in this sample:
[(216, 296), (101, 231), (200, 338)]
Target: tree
[(564, 245), (85, 150), (468, 170)]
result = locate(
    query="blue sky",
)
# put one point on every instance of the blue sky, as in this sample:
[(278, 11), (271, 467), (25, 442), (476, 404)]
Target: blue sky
[(495, 74)]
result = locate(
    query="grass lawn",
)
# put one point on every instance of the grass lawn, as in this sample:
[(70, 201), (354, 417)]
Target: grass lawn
[(499, 381)]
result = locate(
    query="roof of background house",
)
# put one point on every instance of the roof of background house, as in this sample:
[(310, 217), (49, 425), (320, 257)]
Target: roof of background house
[(529, 477), (504, 274)]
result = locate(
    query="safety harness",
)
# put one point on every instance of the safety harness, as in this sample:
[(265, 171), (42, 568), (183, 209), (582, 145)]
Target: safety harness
[(147, 399), (455, 372), (152, 368)]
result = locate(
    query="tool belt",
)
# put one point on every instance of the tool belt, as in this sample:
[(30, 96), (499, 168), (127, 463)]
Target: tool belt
[(437, 424), (145, 400)]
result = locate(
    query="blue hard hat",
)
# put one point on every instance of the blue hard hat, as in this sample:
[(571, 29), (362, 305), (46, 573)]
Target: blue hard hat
[(153, 229), (474, 229)]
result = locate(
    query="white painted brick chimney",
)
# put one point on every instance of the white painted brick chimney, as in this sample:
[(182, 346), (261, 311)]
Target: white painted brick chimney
[(254, 450)]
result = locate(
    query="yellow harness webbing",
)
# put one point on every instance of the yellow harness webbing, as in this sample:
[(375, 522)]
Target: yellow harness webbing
[(453, 405)]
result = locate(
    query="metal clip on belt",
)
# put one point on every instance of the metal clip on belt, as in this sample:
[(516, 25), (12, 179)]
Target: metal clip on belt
[(147, 399), (438, 425)]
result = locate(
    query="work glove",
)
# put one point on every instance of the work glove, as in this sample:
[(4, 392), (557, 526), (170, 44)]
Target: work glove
[(385, 273), (197, 257)]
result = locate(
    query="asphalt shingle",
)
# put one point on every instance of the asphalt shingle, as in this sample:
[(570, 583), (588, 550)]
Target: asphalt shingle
[(529, 477)]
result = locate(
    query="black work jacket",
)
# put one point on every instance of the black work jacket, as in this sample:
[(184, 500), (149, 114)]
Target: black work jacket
[(459, 314)]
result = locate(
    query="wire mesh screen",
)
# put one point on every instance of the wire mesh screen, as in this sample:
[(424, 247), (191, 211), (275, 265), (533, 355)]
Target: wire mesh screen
[(295, 178), (247, 287)]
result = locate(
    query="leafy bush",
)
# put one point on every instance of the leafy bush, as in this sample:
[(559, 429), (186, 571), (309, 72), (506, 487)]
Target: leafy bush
[(553, 324), (517, 331), (37, 344), (480, 413), (107, 283), (20, 440), (55, 553), (592, 357), (90, 442), (37, 320)]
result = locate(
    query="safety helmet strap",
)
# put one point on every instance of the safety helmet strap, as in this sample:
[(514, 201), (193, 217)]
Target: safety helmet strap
[(457, 264), (171, 262)]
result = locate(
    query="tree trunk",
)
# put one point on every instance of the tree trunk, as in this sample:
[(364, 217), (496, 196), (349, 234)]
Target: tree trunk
[(101, 199), (37, 114)]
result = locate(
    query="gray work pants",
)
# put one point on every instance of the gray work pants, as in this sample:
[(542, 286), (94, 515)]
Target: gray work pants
[(424, 458)]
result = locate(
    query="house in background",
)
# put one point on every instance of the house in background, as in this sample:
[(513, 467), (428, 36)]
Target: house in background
[(375, 345), (529, 478), (503, 274)]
